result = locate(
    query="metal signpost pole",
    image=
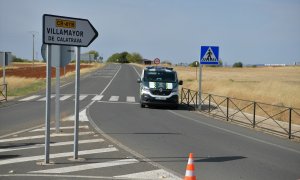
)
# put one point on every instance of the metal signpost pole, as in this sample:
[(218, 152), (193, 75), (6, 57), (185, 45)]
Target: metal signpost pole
[(200, 87), (57, 102), (77, 91), (208, 55), (48, 104), (3, 68), (196, 63), (51, 25)]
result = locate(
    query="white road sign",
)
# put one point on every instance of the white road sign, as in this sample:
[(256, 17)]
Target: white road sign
[(68, 31), (61, 55)]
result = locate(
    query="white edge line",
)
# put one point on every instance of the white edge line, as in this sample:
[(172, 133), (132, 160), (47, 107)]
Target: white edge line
[(235, 133), (111, 81), (61, 128), (66, 84), (54, 156), (52, 145), (120, 145), (41, 125), (117, 102), (22, 131), (92, 102), (88, 166), (136, 70), (65, 176), (43, 136)]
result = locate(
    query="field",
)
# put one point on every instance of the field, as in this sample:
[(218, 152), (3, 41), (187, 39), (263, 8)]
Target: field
[(24, 78), (272, 85)]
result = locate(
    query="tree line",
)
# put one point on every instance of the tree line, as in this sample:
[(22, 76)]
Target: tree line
[(125, 57)]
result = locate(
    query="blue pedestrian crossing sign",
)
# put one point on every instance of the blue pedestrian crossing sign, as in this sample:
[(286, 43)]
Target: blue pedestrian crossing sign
[(209, 55)]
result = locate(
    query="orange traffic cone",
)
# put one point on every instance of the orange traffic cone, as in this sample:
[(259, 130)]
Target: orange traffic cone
[(190, 168)]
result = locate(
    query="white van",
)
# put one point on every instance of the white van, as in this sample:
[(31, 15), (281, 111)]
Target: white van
[(159, 86)]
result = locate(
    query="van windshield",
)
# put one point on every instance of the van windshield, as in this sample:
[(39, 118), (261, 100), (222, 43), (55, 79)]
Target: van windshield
[(159, 76)]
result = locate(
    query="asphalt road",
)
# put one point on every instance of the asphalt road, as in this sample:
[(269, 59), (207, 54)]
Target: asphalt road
[(222, 150), (27, 114), (160, 135)]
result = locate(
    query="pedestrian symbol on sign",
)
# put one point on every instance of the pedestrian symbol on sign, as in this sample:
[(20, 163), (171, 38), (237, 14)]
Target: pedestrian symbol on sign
[(209, 55)]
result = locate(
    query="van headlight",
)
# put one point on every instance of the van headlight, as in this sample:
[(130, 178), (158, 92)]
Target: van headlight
[(146, 89)]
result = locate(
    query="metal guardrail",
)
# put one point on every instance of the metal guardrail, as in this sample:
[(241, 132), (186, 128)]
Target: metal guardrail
[(276, 118), (3, 92), (189, 98)]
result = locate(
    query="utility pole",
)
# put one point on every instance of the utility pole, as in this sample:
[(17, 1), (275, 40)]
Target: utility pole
[(34, 33), (33, 50)]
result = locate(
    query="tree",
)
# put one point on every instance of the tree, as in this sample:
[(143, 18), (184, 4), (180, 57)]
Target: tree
[(125, 57), (114, 58), (194, 64), (166, 62), (238, 64), (96, 54), (136, 58)]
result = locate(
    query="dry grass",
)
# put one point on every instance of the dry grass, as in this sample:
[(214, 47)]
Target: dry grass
[(20, 86), (86, 70), (277, 86)]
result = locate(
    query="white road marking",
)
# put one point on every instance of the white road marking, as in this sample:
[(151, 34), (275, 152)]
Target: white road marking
[(97, 98), (130, 99), (65, 97), (58, 155), (66, 84), (44, 98), (62, 128), (88, 166), (235, 133), (81, 97), (22, 131), (42, 136), (155, 174), (92, 102), (114, 98), (52, 145), (136, 71), (82, 116), (58, 176), (112, 102), (30, 98)]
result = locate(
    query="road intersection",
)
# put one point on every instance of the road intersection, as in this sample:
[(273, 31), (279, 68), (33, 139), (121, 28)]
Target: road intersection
[(120, 140)]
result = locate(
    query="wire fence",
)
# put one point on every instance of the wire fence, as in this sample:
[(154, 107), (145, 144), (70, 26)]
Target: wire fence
[(278, 119), (3, 92)]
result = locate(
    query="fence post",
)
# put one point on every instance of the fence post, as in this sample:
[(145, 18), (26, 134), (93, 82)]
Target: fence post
[(290, 123), (181, 95), (196, 106), (227, 105), (5, 92), (254, 112), (209, 97), (188, 97)]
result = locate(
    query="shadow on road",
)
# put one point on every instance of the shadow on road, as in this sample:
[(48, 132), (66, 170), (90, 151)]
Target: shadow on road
[(179, 159), (166, 107), (8, 156)]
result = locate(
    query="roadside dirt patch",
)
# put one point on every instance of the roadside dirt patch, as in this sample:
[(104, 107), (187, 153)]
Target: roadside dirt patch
[(38, 71)]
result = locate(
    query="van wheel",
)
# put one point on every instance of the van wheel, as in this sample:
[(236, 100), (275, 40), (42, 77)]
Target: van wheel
[(175, 107), (142, 105)]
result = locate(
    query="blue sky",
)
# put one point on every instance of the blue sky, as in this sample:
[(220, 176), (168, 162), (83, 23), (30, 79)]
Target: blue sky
[(250, 31)]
